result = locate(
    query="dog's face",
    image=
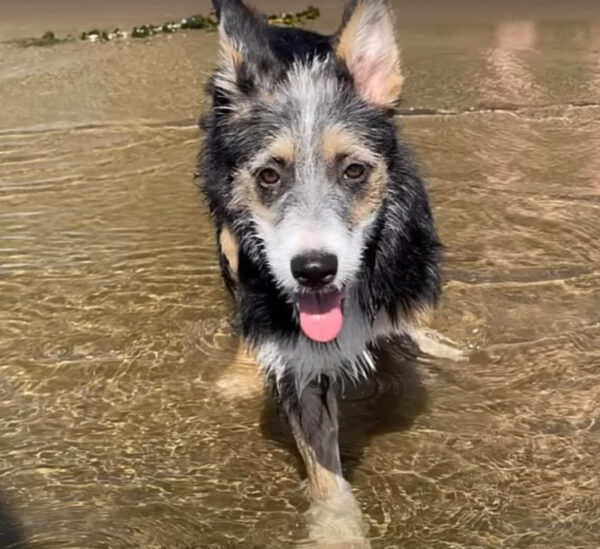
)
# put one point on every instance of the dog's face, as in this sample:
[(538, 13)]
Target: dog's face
[(308, 140)]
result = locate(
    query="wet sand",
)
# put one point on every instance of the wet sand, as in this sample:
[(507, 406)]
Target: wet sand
[(130, 419)]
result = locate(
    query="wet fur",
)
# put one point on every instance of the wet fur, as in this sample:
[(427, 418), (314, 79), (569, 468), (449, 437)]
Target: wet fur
[(394, 270)]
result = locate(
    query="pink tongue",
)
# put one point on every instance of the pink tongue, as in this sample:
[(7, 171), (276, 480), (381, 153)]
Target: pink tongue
[(321, 315)]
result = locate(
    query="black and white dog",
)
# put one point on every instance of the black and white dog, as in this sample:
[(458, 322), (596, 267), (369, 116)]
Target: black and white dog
[(325, 234)]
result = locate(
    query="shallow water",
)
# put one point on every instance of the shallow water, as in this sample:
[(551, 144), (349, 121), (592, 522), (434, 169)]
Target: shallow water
[(129, 419)]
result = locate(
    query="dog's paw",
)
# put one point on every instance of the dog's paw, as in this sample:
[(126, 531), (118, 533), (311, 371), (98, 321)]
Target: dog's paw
[(336, 523), (241, 380), (437, 345)]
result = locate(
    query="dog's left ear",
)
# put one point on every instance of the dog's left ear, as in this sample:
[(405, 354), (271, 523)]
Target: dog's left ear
[(366, 43)]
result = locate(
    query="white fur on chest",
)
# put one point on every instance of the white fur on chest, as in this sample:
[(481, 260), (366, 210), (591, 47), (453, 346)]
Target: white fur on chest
[(347, 356)]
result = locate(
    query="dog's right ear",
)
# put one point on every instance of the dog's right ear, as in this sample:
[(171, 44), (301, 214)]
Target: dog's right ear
[(242, 44), (237, 22)]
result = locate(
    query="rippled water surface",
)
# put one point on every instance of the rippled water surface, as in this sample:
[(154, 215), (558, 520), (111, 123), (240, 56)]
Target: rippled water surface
[(128, 417)]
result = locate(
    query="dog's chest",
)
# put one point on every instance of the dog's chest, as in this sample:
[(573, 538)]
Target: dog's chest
[(348, 355)]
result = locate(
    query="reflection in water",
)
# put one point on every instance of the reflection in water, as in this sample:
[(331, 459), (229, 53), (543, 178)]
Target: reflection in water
[(129, 416), (512, 80), (595, 53)]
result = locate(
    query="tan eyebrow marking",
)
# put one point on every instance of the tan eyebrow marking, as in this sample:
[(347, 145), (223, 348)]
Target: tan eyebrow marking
[(337, 140)]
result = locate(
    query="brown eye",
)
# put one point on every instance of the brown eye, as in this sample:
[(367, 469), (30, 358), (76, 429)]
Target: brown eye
[(268, 176), (354, 171)]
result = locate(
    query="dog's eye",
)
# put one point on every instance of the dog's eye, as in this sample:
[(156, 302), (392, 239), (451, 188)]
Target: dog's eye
[(268, 176), (354, 171)]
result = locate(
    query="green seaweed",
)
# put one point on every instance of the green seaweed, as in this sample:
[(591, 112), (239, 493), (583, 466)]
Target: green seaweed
[(194, 22), (170, 27), (47, 39), (145, 31), (299, 18)]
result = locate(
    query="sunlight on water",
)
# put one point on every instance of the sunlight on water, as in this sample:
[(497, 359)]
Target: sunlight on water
[(130, 415)]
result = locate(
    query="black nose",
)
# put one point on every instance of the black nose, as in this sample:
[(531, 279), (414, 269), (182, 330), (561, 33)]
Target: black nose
[(314, 269)]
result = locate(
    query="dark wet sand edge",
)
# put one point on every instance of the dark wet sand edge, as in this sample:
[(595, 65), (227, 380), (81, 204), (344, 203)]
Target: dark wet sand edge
[(34, 17)]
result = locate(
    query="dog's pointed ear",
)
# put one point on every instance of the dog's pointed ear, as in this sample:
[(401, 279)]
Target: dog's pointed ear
[(242, 43), (235, 25), (366, 44), (237, 22)]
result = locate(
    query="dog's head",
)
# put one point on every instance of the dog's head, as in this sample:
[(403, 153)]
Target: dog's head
[(301, 141)]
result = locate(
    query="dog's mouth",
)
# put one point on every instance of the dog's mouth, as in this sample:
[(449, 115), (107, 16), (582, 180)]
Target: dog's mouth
[(321, 314)]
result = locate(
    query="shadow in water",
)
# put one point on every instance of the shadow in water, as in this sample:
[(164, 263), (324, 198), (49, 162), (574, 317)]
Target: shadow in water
[(389, 401), (12, 535)]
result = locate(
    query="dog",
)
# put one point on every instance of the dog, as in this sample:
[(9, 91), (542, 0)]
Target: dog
[(325, 234)]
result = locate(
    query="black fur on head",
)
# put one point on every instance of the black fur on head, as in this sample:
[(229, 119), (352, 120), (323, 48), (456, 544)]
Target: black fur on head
[(301, 103)]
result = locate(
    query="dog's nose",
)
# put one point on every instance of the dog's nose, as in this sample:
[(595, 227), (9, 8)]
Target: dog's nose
[(314, 269)]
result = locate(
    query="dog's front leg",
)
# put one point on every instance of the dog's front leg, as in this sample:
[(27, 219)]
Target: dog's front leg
[(313, 417)]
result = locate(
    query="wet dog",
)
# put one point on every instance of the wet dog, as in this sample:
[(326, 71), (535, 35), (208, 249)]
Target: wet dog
[(325, 235)]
